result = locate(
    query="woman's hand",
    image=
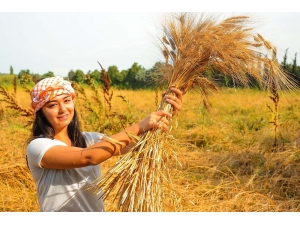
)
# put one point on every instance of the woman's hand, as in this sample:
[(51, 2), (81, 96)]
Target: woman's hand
[(161, 119), (176, 101)]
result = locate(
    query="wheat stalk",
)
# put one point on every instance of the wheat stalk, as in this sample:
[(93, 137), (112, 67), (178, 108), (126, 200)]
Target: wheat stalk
[(191, 46), (10, 99)]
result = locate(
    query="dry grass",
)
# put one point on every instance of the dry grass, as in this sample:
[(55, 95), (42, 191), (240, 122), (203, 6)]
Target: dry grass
[(16, 184), (228, 163)]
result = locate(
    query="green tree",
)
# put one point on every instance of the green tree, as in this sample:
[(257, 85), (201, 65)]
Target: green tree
[(141, 75), (116, 77), (23, 72), (124, 75), (49, 74), (96, 75), (11, 70), (24, 77), (132, 78), (36, 78), (284, 63), (71, 75), (295, 70), (79, 76), (294, 66), (153, 75)]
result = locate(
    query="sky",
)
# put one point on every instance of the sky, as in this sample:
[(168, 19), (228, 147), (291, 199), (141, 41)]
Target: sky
[(61, 37)]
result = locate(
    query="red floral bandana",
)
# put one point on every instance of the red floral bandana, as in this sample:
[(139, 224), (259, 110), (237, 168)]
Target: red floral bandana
[(47, 89)]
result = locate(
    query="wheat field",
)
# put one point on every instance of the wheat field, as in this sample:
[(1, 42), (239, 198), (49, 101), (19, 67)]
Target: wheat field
[(229, 161)]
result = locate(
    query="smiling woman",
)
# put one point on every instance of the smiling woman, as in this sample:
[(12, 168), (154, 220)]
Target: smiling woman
[(59, 112), (62, 159)]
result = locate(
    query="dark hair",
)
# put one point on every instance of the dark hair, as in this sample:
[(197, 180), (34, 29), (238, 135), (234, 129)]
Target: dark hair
[(42, 128)]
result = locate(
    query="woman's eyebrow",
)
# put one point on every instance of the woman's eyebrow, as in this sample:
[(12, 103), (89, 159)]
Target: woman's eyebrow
[(67, 96), (51, 101)]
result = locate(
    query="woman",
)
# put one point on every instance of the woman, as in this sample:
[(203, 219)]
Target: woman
[(62, 159)]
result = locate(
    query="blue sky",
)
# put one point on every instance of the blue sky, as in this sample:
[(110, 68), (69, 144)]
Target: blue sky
[(60, 37)]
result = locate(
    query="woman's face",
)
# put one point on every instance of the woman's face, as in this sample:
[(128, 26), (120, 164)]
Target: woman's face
[(59, 111)]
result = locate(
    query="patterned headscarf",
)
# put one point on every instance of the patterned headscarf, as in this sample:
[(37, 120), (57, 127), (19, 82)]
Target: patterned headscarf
[(47, 89)]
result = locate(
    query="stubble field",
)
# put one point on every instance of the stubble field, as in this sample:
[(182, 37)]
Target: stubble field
[(229, 158)]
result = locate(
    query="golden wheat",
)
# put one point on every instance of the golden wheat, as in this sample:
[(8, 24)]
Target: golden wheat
[(191, 47)]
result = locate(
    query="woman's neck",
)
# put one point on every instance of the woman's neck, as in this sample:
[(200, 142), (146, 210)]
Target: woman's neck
[(64, 137)]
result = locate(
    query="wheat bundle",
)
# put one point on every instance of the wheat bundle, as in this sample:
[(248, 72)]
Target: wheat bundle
[(192, 46)]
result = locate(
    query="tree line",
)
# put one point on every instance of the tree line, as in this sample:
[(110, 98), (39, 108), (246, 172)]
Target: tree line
[(137, 77)]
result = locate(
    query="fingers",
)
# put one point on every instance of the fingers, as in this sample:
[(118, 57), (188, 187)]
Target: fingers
[(176, 101), (159, 120), (178, 93), (160, 114)]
